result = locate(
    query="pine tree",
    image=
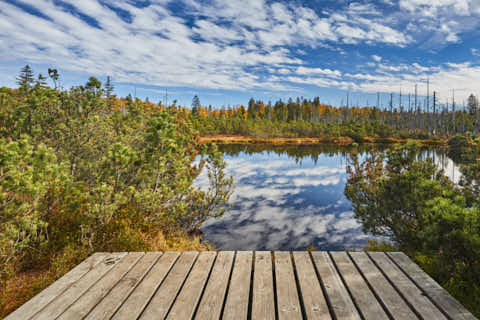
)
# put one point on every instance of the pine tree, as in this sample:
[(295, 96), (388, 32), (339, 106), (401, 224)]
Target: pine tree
[(251, 114), (195, 105), (26, 77), (109, 87)]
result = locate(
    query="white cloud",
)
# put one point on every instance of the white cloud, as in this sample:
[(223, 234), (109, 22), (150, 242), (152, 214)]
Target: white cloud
[(432, 7), (318, 71), (440, 22), (159, 48), (462, 77), (236, 45)]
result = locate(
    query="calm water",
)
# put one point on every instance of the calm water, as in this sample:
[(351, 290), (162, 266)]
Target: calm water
[(290, 198)]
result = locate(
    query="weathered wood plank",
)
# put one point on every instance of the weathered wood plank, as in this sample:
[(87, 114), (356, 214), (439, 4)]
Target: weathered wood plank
[(406, 287), (312, 295), (364, 298), (166, 294), (288, 304), (187, 300), (236, 306), (107, 307), (387, 294), (100, 289), (212, 300), (432, 289), (263, 302), (336, 293), (31, 307), (69, 296), (210, 285), (139, 298)]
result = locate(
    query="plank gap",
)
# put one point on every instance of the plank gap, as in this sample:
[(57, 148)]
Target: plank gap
[(299, 290), (157, 288), (91, 314), (390, 316), (109, 281), (346, 286), (181, 286), (228, 284), (396, 288), (275, 298), (204, 286), (90, 311), (250, 294), (56, 308), (421, 289), (324, 289)]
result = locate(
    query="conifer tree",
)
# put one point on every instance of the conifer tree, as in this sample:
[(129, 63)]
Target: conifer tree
[(109, 87), (251, 109), (26, 77), (195, 105)]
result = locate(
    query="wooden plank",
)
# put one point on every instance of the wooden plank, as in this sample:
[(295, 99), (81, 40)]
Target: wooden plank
[(187, 300), (236, 306), (387, 294), (166, 294), (406, 287), (312, 295), (432, 289), (364, 298), (336, 293), (69, 296), (214, 295), (263, 300), (139, 298), (100, 289), (31, 307), (107, 307), (288, 304)]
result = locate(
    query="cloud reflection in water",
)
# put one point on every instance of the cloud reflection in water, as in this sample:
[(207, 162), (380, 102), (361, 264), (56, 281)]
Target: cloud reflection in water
[(284, 204)]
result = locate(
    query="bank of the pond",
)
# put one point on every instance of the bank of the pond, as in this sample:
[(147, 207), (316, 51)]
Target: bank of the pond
[(233, 139)]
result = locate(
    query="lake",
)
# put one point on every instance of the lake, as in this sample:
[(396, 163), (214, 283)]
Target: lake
[(291, 198)]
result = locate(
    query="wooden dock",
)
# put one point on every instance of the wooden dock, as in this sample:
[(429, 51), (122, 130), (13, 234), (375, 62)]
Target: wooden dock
[(244, 285)]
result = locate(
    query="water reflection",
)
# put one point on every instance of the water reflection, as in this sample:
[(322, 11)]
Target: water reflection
[(288, 198)]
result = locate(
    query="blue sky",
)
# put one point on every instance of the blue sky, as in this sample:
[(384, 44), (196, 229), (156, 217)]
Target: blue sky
[(229, 51)]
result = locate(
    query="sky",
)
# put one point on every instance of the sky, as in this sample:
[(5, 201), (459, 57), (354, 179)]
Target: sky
[(228, 51)]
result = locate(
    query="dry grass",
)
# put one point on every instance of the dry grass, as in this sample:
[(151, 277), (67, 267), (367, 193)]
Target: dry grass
[(21, 287), (226, 139), (230, 139), (178, 243)]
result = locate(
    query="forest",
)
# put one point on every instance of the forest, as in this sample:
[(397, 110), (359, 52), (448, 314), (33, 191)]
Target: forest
[(310, 118), (82, 170)]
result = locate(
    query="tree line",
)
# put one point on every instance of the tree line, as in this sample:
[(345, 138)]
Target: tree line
[(411, 120)]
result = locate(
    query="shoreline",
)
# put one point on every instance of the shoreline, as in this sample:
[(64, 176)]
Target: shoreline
[(343, 141)]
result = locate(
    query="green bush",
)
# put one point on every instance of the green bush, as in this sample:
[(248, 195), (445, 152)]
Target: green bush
[(83, 173)]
